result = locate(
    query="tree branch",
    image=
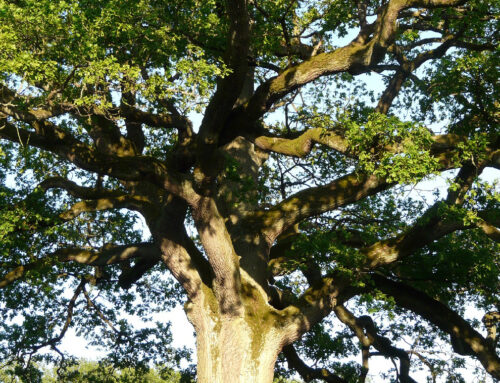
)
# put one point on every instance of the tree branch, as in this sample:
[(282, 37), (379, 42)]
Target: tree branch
[(106, 256), (306, 372), (178, 252), (92, 305), (314, 201), (279, 253), (407, 68), (343, 191), (491, 321), (53, 139), (302, 145), (164, 121), (365, 330), (69, 317), (221, 255), (314, 304), (356, 57), (55, 109), (432, 225), (78, 191), (120, 202), (429, 228), (465, 340), (230, 87)]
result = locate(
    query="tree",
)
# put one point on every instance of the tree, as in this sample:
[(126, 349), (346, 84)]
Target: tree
[(288, 208), (87, 371)]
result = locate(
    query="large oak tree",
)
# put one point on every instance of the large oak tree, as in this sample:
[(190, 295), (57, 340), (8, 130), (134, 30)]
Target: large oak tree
[(287, 212)]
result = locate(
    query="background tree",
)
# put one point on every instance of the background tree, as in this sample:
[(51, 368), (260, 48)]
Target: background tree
[(285, 214), (92, 372)]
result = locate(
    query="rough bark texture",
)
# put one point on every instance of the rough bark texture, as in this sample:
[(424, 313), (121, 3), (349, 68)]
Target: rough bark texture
[(210, 180), (235, 348)]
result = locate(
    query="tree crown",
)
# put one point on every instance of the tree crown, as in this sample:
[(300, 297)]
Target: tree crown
[(292, 191)]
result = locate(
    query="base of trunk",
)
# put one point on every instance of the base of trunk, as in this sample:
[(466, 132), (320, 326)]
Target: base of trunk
[(231, 349)]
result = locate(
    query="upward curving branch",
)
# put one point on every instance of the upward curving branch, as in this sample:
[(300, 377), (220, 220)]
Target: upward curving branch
[(178, 252), (406, 69), (434, 224), (230, 87), (357, 57), (346, 190), (314, 201)]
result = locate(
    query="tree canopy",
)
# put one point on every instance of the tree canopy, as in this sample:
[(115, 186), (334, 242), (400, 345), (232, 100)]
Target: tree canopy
[(270, 157), (90, 372)]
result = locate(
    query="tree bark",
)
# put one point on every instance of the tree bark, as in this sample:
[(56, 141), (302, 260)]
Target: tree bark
[(235, 349)]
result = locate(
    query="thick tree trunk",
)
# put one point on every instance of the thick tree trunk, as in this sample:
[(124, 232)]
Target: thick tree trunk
[(234, 349)]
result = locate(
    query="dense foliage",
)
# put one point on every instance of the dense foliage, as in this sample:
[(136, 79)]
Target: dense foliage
[(85, 371), (316, 179)]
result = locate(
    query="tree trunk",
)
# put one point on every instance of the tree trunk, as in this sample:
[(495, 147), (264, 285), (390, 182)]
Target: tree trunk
[(235, 348)]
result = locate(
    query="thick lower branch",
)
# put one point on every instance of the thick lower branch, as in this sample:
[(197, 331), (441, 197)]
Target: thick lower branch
[(346, 190), (107, 256), (178, 252), (465, 340), (313, 305)]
